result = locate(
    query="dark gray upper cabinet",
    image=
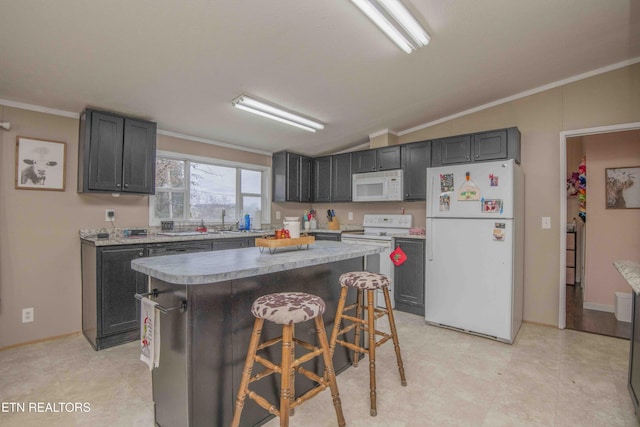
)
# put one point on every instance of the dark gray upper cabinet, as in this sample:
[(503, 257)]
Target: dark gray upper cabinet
[(322, 179), (416, 158), (455, 149), (116, 153), (363, 161), (496, 145), (292, 175), (306, 178), (483, 146), (341, 177), (388, 158), (378, 159)]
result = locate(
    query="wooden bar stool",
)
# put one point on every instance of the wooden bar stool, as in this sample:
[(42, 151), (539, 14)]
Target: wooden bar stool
[(287, 309), (370, 282)]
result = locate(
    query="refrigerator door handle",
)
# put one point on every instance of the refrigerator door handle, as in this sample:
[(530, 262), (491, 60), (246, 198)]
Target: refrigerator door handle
[(429, 239)]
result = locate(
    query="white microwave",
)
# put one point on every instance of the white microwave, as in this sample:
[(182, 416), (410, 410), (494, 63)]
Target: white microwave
[(377, 186)]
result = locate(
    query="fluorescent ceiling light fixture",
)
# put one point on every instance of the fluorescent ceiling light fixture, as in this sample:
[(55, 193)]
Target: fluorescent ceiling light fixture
[(246, 103), (418, 37)]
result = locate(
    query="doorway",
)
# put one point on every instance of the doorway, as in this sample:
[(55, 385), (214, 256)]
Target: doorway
[(572, 313)]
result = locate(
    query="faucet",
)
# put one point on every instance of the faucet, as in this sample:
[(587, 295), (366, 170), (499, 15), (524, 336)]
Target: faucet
[(223, 214)]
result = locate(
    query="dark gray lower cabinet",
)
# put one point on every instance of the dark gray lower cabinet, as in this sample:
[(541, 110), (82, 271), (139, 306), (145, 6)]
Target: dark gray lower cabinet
[(204, 349), (110, 312), (409, 277), (634, 355), (241, 242), (336, 237)]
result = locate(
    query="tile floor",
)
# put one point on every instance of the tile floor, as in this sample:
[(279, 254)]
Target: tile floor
[(548, 377)]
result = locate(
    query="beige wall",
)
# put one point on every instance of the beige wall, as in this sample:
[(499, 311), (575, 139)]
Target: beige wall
[(612, 234), (606, 99), (39, 244), (39, 250)]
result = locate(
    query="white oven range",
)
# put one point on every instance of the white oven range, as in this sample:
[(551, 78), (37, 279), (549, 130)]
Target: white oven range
[(379, 230)]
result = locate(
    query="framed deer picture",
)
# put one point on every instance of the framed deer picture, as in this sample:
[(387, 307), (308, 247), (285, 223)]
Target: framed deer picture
[(623, 187), (40, 164)]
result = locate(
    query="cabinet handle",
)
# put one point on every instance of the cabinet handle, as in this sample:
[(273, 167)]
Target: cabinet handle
[(126, 186), (140, 254), (477, 155), (117, 185)]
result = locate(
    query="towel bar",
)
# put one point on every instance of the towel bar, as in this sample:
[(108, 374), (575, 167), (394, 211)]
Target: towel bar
[(181, 307)]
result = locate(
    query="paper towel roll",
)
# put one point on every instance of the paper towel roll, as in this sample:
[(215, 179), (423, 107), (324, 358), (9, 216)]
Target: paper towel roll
[(256, 221)]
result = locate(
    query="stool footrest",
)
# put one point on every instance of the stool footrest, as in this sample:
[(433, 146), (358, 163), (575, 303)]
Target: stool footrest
[(308, 395), (261, 375), (312, 354), (264, 403), (268, 364), (269, 343)]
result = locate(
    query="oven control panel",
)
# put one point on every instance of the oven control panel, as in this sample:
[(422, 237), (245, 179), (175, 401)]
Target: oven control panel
[(388, 221)]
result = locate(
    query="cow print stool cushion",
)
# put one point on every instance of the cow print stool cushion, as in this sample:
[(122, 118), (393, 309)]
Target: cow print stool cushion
[(363, 280), (286, 308)]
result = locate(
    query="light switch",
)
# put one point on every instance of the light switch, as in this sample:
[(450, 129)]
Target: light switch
[(546, 222), (350, 216)]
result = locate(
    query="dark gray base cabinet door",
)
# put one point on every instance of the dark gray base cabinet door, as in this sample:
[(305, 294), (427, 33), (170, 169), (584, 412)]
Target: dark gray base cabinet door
[(634, 356), (110, 312), (409, 277)]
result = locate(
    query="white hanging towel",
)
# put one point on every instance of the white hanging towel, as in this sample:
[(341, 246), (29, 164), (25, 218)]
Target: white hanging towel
[(149, 333)]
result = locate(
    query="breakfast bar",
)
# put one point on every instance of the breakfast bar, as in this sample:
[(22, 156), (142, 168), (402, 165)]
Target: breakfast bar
[(205, 334), (630, 271)]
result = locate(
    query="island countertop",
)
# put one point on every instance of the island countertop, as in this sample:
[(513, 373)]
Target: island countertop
[(630, 270), (219, 266)]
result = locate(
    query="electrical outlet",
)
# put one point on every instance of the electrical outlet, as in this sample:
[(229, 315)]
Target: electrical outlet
[(27, 315), (110, 215), (350, 216), (277, 214), (546, 222)]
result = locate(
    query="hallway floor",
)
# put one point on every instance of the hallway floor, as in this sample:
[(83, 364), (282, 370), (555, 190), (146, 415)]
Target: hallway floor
[(548, 377), (594, 321)]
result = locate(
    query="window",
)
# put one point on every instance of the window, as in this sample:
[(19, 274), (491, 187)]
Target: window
[(191, 188)]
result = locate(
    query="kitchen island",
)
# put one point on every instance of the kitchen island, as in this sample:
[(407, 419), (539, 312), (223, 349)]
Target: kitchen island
[(630, 271), (203, 347)]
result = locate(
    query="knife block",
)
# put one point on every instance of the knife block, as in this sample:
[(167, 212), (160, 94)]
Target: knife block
[(334, 224)]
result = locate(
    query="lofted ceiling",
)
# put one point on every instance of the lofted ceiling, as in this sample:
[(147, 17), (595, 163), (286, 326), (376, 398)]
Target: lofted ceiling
[(182, 62)]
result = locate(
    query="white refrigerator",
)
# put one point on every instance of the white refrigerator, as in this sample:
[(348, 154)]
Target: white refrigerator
[(474, 255)]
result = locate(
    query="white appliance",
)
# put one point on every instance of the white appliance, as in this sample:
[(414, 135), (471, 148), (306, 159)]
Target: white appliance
[(377, 186), (474, 256), (379, 230)]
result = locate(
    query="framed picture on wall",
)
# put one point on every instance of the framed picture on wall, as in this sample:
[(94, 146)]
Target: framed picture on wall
[(40, 164), (623, 187)]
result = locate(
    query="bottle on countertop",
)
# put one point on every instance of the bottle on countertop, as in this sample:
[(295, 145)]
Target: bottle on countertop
[(247, 222)]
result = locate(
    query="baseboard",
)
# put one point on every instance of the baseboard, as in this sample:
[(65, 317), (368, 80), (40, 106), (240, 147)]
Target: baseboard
[(40, 340), (599, 307)]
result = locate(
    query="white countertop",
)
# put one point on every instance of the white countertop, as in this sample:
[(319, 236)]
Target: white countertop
[(630, 270), (219, 266)]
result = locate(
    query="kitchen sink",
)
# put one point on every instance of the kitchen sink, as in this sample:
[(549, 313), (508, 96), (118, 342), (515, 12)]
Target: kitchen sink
[(182, 233)]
